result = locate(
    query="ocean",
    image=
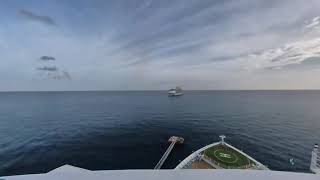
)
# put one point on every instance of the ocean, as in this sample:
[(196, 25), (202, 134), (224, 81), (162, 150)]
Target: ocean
[(98, 130)]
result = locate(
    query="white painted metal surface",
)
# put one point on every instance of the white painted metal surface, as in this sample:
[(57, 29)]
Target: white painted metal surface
[(69, 172), (164, 156), (315, 160)]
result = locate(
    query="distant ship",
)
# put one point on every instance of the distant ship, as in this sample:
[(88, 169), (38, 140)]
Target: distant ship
[(175, 92)]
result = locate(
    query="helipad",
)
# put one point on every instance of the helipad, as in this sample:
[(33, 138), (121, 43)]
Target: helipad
[(226, 157)]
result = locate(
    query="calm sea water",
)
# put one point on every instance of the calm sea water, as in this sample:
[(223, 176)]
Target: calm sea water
[(40, 131)]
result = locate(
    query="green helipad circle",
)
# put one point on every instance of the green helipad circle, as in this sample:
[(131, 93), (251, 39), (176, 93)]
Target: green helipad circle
[(227, 157)]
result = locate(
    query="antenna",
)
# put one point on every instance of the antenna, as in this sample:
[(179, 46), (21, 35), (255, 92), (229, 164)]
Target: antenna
[(222, 137)]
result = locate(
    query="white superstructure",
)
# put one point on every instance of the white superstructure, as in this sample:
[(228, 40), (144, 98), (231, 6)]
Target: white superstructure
[(175, 92), (73, 173)]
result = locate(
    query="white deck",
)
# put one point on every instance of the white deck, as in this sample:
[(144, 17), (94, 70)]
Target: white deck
[(70, 172), (194, 155)]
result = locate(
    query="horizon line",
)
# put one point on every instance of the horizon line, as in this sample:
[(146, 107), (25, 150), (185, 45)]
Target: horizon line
[(161, 90)]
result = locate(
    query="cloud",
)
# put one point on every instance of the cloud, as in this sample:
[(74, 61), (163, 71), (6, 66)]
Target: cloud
[(307, 64), (66, 75), (314, 23), (47, 58), (52, 72), (47, 68), (202, 32), (111, 44), (37, 18), (145, 4), (60, 75), (291, 53)]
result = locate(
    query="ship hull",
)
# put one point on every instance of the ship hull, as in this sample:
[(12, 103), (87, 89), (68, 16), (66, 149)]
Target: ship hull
[(175, 94)]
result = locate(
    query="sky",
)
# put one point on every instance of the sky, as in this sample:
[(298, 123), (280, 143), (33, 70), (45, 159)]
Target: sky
[(49, 45)]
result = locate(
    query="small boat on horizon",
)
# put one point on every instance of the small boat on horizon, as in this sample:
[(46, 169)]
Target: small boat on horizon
[(175, 92)]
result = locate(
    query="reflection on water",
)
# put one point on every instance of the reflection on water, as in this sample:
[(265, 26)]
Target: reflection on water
[(129, 130)]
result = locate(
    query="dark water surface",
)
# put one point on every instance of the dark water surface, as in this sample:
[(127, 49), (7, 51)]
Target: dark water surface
[(40, 131)]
